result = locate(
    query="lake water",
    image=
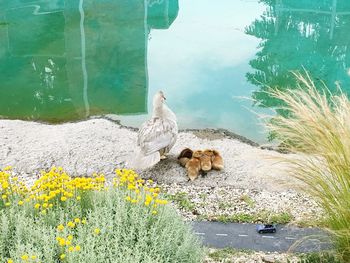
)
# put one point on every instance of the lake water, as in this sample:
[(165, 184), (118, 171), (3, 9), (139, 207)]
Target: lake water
[(65, 60)]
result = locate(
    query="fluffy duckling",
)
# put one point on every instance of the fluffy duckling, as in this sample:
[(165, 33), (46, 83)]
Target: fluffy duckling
[(206, 160), (217, 161), (193, 165), (185, 156)]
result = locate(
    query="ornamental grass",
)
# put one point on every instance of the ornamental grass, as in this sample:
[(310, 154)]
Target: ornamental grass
[(65, 219), (317, 127)]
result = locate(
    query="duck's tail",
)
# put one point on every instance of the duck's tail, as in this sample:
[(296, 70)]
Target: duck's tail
[(142, 161)]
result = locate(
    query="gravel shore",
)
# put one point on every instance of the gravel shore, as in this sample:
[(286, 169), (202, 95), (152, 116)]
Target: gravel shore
[(253, 182), (100, 145), (229, 204)]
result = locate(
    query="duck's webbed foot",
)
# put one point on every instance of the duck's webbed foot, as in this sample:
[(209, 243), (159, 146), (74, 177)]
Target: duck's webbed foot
[(163, 153)]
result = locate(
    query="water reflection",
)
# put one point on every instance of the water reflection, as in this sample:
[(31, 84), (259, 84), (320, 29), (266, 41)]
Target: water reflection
[(64, 60), (295, 34)]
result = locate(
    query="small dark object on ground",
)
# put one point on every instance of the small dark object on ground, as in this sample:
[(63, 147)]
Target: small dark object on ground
[(267, 228)]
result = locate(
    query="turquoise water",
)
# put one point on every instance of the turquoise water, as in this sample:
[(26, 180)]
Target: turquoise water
[(67, 60)]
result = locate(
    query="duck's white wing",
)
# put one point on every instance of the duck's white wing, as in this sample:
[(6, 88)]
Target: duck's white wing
[(157, 134)]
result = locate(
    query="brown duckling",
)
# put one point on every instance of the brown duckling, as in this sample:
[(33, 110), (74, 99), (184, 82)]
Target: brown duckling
[(185, 156), (217, 161), (193, 166)]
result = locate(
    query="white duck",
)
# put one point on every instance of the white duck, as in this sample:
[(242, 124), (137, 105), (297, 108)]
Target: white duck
[(157, 135)]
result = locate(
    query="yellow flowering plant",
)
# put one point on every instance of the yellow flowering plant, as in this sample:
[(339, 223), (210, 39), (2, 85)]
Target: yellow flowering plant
[(60, 218)]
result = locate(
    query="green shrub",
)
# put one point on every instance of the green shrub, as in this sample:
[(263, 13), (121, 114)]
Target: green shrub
[(182, 200), (257, 217), (319, 258), (125, 223)]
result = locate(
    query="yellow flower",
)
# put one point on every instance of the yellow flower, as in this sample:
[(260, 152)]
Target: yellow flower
[(78, 198), (131, 187), (37, 206), (45, 205), (97, 231), (63, 198), (33, 257), (9, 261), (83, 221), (68, 242), (50, 205), (70, 249), (62, 242), (25, 257), (154, 212), (20, 202), (7, 168), (4, 196), (161, 202), (77, 248), (62, 256), (128, 198), (70, 224), (148, 198), (5, 185), (77, 220), (70, 237), (60, 227), (7, 204)]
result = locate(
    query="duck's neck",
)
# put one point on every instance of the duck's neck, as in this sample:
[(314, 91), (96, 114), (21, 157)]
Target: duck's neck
[(158, 110), (162, 111)]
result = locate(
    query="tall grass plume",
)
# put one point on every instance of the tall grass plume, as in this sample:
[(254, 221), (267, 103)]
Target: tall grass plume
[(317, 128)]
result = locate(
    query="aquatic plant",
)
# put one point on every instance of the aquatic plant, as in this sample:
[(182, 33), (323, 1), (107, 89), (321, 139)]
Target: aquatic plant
[(318, 129), (85, 219)]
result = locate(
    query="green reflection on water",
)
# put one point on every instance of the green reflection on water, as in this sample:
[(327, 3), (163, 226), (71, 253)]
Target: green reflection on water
[(52, 68), (63, 60), (297, 35)]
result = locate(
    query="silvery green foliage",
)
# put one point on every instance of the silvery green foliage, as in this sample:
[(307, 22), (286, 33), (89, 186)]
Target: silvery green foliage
[(128, 233)]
